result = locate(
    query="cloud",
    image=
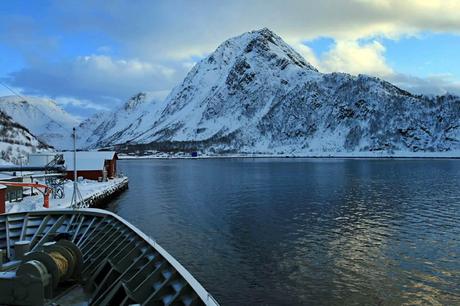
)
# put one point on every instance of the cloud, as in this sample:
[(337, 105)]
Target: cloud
[(431, 85), (351, 57), (369, 58), (27, 38), (80, 109), (150, 45), (69, 101), (306, 52), (103, 65), (100, 79), (180, 29)]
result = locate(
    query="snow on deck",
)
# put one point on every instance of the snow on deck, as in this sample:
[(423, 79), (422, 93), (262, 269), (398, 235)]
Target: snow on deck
[(89, 190)]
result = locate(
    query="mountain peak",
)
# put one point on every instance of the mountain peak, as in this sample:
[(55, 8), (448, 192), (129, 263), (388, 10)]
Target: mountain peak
[(135, 101), (265, 33), (262, 43)]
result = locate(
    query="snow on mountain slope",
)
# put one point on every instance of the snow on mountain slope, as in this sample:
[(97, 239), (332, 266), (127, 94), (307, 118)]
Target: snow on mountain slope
[(231, 88), (187, 99), (42, 117), (16, 141), (343, 113), (122, 125), (255, 94)]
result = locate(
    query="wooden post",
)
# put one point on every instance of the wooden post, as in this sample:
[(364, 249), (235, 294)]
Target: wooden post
[(46, 200)]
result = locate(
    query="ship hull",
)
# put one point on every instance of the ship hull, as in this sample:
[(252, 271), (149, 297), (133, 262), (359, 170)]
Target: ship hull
[(120, 264)]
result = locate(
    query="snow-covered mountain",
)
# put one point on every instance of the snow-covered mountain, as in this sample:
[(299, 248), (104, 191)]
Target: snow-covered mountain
[(42, 117), (124, 124), (16, 141), (255, 94)]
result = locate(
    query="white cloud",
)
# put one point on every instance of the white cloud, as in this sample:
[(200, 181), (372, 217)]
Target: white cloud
[(180, 29), (351, 57), (306, 52), (354, 58), (70, 101), (432, 85), (97, 78), (369, 58), (348, 56), (106, 65)]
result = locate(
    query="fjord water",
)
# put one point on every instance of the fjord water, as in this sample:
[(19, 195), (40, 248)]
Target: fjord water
[(305, 231)]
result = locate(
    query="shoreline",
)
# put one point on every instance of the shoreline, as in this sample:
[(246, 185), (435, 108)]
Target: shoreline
[(388, 157)]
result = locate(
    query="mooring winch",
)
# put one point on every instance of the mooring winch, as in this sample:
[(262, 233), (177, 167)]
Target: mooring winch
[(39, 273)]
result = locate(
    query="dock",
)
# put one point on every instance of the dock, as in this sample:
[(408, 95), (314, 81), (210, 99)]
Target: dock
[(94, 194)]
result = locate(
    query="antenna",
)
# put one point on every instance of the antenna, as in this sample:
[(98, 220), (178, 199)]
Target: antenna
[(77, 199)]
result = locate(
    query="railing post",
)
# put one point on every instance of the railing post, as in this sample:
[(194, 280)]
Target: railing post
[(46, 200)]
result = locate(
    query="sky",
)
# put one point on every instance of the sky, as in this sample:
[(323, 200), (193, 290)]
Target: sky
[(91, 56)]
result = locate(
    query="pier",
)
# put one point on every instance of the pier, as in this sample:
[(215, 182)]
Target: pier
[(95, 173), (94, 194)]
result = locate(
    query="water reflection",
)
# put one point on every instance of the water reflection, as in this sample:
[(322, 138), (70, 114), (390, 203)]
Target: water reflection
[(299, 231)]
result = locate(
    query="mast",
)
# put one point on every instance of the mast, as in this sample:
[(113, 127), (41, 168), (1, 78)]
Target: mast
[(77, 199)]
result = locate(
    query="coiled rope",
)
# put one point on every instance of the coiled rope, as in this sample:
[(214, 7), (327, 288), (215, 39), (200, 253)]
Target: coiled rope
[(61, 262)]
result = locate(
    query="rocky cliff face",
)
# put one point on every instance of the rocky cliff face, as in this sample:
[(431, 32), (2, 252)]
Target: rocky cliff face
[(255, 94), (16, 142)]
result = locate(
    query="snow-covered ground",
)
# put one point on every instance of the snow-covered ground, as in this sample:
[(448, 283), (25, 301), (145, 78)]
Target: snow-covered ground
[(88, 189)]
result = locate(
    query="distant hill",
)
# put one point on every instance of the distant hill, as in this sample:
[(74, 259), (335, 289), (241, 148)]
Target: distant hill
[(122, 125), (16, 142), (43, 117)]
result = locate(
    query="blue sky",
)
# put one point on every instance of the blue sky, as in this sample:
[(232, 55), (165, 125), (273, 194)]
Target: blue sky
[(429, 54), (425, 55), (92, 55)]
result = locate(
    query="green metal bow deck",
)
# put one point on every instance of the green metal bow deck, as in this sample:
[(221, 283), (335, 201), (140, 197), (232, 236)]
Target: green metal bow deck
[(88, 257)]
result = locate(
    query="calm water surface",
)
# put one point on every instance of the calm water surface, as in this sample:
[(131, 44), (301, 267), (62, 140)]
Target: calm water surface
[(305, 231)]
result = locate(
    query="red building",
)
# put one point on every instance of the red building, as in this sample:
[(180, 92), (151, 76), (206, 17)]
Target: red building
[(91, 164)]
